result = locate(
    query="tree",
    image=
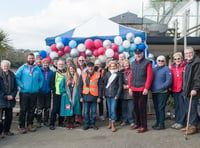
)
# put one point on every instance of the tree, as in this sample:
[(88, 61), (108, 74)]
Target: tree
[(4, 43)]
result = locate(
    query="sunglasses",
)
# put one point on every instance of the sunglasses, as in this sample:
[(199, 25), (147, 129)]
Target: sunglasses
[(161, 61), (177, 59)]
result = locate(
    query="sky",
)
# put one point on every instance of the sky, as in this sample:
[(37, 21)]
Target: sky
[(29, 22)]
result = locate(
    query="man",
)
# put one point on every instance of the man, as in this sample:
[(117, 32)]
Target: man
[(54, 64), (7, 101), (90, 87), (191, 87), (140, 80), (29, 79), (44, 97)]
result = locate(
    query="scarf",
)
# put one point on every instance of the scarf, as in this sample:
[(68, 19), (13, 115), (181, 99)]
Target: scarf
[(112, 77)]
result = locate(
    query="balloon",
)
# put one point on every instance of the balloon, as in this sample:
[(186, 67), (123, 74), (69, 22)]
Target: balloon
[(60, 45), (102, 58), (114, 47), (133, 46), (53, 55), (141, 46), (54, 48), (88, 52), (116, 55), (131, 53), (109, 53), (61, 53), (126, 54), (82, 54), (120, 49), (49, 59), (58, 39), (66, 49), (107, 44), (43, 53), (72, 44), (74, 52), (130, 36), (89, 43), (96, 53), (65, 41), (98, 43), (132, 59), (48, 49), (81, 47), (137, 40), (126, 44), (101, 51), (67, 55), (118, 40)]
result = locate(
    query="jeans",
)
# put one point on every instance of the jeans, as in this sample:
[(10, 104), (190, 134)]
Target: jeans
[(101, 107), (112, 108), (159, 101), (179, 107), (90, 107), (6, 123), (27, 106), (127, 111)]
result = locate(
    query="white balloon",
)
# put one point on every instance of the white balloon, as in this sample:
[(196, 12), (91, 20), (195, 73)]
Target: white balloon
[(102, 58), (137, 40), (126, 44), (126, 54), (74, 52), (48, 49), (109, 53), (118, 40), (81, 47), (60, 45), (130, 36), (107, 44), (88, 52), (53, 55)]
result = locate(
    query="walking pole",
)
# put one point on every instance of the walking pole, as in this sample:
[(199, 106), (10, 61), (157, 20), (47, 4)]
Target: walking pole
[(188, 118)]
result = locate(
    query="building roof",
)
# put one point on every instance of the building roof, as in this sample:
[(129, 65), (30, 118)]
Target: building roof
[(131, 18)]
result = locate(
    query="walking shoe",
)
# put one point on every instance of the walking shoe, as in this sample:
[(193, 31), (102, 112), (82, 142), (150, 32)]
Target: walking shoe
[(123, 124), (132, 124), (52, 127), (95, 127), (85, 128), (31, 128), (155, 125), (22, 130), (178, 126), (174, 125), (134, 127), (159, 128), (102, 118), (142, 130), (2, 135), (8, 133)]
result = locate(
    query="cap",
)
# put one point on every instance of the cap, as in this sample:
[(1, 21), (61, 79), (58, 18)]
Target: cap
[(138, 51), (90, 64)]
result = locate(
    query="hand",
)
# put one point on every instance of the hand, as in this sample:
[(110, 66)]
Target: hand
[(98, 100), (125, 86), (193, 93), (145, 91), (116, 98), (130, 92), (9, 97), (81, 99)]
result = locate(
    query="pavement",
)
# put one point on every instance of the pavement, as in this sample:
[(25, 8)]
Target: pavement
[(102, 138)]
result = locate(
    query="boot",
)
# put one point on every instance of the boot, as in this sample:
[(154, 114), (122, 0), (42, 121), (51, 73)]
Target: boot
[(109, 125), (113, 126)]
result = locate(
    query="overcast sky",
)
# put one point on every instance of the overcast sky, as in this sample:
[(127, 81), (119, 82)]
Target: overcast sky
[(29, 22)]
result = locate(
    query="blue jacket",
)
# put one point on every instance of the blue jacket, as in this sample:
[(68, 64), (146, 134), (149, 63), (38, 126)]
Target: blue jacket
[(45, 89), (29, 81), (162, 79)]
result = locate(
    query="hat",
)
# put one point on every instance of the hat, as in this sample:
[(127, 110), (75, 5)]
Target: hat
[(138, 51), (90, 64), (45, 60), (97, 62)]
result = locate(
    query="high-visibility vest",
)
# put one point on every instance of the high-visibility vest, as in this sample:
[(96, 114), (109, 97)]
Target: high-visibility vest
[(58, 79), (93, 86)]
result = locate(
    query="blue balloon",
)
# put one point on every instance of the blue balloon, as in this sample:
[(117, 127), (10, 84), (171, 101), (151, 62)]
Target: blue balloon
[(126, 49), (65, 41), (43, 53), (120, 49), (133, 46), (58, 39), (141, 46), (132, 59), (72, 44), (131, 53)]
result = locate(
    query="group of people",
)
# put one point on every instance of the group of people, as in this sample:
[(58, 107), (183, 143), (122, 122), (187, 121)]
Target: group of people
[(77, 88)]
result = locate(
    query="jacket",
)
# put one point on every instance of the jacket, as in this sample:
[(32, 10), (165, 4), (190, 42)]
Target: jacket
[(162, 79), (29, 81)]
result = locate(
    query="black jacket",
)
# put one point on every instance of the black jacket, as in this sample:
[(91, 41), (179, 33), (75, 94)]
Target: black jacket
[(115, 89)]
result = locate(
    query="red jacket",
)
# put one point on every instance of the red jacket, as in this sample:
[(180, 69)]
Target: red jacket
[(177, 75)]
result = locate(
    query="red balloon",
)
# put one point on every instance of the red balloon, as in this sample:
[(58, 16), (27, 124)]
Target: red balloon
[(101, 51), (89, 43), (116, 55), (96, 53), (54, 48), (98, 43), (82, 54), (61, 53), (49, 58), (66, 49), (114, 47)]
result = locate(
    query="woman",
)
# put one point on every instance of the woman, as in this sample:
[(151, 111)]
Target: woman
[(162, 79), (177, 69), (112, 91), (127, 100), (70, 104)]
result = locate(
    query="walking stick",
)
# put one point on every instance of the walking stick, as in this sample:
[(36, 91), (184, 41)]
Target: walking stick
[(188, 118)]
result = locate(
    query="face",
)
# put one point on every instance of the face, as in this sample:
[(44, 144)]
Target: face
[(178, 59), (38, 61), (121, 58), (113, 67), (90, 69), (81, 61), (98, 65), (55, 62), (189, 54), (60, 65), (160, 62), (69, 63), (72, 70), (5, 67), (30, 59), (45, 65), (138, 56), (126, 65)]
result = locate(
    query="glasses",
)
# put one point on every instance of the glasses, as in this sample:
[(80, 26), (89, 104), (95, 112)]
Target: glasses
[(177, 59), (161, 61)]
